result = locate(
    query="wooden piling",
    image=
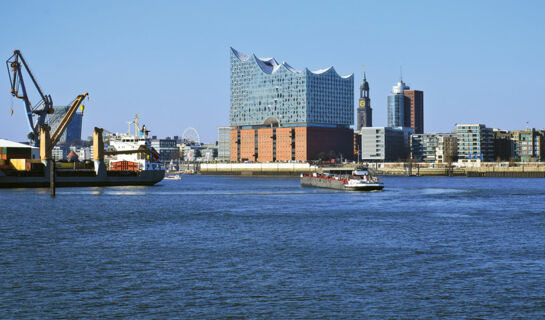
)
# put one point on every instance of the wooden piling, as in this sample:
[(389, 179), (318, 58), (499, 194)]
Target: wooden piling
[(52, 177)]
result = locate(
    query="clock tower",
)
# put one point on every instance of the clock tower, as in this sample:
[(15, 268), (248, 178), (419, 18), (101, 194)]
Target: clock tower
[(365, 113)]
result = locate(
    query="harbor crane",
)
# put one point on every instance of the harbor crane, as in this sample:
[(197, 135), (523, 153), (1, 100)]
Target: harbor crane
[(42, 108), (48, 142)]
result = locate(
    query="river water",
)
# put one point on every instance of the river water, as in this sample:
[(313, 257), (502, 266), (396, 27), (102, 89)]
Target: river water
[(215, 247)]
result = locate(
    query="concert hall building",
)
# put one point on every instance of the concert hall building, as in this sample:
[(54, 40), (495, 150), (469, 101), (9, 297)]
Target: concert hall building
[(279, 113)]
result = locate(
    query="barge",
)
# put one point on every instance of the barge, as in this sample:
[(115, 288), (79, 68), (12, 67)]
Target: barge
[(359, 180)]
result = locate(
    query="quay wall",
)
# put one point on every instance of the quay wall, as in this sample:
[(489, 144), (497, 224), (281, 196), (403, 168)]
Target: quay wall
[(257, 169), (518, 172), (402, 169), (485, 170)]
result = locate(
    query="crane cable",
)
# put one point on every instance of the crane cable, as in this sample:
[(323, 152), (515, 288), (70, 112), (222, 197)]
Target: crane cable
[(11, 106)]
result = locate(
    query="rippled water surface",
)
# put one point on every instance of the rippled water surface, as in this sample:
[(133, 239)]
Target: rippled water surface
[(214, 247)]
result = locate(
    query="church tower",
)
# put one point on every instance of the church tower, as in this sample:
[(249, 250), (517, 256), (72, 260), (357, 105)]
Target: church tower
[(365, 113)]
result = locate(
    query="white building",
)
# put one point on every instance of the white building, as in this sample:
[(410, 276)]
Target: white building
[(385, 144)]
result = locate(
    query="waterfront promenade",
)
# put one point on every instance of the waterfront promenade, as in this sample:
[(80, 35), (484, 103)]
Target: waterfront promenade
[(485, 169)]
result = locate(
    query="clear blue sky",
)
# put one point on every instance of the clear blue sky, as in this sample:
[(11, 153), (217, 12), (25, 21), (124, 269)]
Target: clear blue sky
[(476, 61)]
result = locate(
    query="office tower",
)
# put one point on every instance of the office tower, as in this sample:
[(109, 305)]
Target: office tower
[(414, 110), (406, 107), (396, 105), (73, 130)]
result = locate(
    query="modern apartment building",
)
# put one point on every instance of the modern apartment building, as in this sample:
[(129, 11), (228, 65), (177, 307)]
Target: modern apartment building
[(167, 149), (279, 113), (503, 145), (224, 144), (385, 144), (528, 145), (433, 147), (60, 152), (475, 141), (446, 150)]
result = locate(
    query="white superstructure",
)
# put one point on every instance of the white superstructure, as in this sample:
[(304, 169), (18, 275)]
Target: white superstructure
[(133, 142)]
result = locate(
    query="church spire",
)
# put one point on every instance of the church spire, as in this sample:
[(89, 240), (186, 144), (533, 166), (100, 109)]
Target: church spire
[(364, 88), (365, 113)]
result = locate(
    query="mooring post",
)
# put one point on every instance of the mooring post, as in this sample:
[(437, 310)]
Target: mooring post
[(52, 177)]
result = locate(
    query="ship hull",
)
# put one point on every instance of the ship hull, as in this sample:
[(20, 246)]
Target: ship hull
[(143, 178), (370, 187)]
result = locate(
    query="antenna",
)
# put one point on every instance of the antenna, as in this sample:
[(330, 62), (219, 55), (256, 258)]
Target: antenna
[(136, 128), (400, 73)]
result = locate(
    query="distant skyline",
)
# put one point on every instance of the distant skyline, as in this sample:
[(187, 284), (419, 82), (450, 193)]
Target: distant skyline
[(168, 61)]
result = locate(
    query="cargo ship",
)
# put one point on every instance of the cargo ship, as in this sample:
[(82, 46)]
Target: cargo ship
[(359, 180), (132, 163)]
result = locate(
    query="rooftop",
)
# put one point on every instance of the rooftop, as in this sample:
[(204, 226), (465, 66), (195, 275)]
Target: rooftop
[(270, 65)]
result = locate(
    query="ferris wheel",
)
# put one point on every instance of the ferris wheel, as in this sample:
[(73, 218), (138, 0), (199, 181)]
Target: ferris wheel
[(191, 135)]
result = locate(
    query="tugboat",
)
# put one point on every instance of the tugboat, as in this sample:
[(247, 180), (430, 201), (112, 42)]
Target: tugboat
[(359, 180)]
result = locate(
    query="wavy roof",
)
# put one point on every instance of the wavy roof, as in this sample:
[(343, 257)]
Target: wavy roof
[(270, 65)]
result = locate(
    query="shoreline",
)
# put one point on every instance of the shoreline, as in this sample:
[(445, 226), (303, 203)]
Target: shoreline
[(492, 170)]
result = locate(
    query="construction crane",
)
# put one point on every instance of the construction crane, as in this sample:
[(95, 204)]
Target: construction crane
[(15, 65), (51, 141)]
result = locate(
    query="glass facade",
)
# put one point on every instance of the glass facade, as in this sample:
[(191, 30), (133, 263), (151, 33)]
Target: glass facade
[(385, 144), (431, 147), (224, 140), (266, 92), (396, 108), (73, 130), (475, 141), (528, 145), (396, 105)]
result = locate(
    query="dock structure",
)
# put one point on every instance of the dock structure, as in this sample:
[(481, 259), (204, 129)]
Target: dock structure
[(257, 169), (392, 169), (511, 172), (98, 152)]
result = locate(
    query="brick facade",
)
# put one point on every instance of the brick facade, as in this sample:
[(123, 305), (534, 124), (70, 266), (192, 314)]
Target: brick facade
[(286, 144), (414, 110), (247, 145), (234, 146), (265, 144)]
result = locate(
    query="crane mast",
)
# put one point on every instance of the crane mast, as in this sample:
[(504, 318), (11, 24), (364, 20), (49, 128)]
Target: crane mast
[(15, 65)]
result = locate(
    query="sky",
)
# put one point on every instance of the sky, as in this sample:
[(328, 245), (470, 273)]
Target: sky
[(168, 61)]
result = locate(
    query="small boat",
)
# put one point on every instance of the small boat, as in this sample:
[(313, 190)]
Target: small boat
[(173, 177), (359, 180)]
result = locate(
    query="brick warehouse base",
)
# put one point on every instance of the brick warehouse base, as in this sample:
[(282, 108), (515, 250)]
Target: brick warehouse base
[(285, 144)]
